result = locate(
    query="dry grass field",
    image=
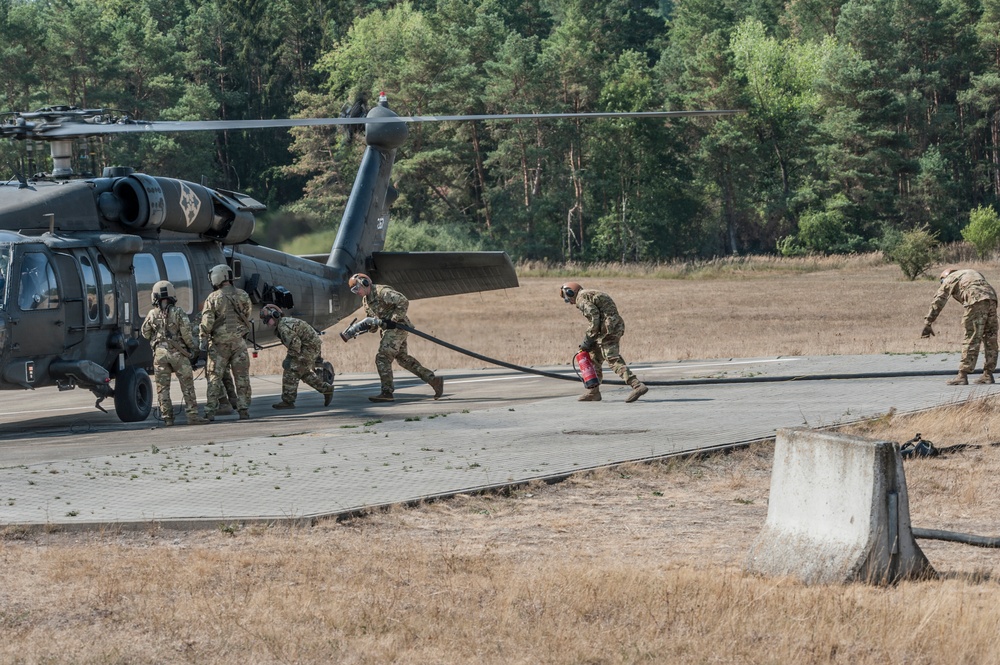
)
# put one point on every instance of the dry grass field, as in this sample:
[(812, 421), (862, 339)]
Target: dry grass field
[(637, 564)]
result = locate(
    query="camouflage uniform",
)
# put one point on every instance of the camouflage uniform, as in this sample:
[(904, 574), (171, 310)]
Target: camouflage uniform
[(606, 329), (387, 304), (227, 377), (979, 319), (304, 348), (169, 333), (225, 323)]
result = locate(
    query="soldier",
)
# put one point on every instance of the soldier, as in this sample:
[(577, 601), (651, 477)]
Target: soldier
[(168, 330), (389, 307), (602, 338), (304, 348), (226, 406), (979, 320), (225, 323)]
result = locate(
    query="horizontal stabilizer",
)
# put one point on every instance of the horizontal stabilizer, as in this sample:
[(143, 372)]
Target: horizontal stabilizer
[(431, 274)]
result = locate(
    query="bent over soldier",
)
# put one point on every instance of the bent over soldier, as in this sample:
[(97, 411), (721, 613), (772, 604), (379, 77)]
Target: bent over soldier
[(602, 338), (225, 323), (979, 321), (304, 348), (389, 307), (168, 330)]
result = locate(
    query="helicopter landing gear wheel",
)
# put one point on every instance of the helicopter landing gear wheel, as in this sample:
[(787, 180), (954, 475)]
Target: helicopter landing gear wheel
[(133, 395)]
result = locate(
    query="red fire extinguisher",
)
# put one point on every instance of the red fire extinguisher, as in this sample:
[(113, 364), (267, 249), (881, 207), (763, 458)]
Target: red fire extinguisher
[(587, 370)]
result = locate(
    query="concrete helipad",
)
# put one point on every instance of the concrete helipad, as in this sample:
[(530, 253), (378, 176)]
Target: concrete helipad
[(491, 429)]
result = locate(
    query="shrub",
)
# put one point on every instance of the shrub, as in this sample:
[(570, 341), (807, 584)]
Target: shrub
[(822, 232), (913, 251), (983, 230)]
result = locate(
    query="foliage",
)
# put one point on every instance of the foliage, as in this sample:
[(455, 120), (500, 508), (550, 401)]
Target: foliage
[(913, 251), (858, 115), (983, 230)]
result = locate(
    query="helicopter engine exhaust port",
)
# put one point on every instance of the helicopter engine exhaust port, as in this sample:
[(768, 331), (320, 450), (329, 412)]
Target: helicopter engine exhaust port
[(140, 201)]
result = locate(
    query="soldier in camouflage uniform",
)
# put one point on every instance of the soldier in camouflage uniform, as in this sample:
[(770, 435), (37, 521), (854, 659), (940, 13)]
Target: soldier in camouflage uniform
[(304, 348), (226, 406), (168, 330), (602, 338), (389, 307), (225, 323), (979, 320)]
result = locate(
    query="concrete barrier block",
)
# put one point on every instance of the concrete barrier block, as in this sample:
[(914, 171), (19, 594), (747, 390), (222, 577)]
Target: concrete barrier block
[(837, 512)]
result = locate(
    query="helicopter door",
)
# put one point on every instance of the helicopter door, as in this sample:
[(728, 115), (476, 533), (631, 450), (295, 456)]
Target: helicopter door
[(37, 319), (74, 302)]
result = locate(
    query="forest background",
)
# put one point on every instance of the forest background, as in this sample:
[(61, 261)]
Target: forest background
[(864, 119)]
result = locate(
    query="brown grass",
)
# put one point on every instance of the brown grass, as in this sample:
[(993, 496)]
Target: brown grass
[(771, 307), (626, 565)]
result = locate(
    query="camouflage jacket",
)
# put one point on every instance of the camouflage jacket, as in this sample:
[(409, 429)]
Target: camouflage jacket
[(298, 337), (170, 327), (226, 314), (966, 286), (388, 304), (602, 313)]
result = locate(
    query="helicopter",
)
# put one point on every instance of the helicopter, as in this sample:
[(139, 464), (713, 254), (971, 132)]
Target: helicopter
[(79, 255)]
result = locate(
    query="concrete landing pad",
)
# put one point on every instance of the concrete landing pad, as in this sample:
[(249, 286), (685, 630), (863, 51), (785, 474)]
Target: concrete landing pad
[(66, 465)]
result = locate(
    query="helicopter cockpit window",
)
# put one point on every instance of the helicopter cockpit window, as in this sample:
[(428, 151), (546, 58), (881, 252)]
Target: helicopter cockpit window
[(37, 285), (107, 289), (4, 268), (179, 274), (147, 273), (90, 284)]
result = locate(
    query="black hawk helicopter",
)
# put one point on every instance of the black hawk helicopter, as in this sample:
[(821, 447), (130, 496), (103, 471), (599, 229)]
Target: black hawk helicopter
[(79, 256)]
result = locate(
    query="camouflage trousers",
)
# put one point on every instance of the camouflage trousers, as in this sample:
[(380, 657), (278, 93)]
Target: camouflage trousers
[(980, 324), (299, 368), (393, 347), (607, 348), (224, 355), (165, 363)]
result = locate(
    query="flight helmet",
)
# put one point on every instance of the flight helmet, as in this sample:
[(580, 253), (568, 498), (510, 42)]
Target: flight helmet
[(359, 281), (269, 312), (163, 290), (219, 274), (569, 291)]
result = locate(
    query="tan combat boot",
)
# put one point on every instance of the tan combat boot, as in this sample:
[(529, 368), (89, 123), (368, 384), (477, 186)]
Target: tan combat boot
[(437, 383), (638, 390), (987, 377), (961, 379), (327, 394), (195, 419), (592, 395)]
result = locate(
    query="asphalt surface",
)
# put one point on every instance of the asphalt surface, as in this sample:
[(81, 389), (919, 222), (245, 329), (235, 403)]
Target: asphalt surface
[(64, 464)]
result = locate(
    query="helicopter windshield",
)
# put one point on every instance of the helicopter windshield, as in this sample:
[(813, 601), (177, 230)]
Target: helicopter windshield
[(4, 267)]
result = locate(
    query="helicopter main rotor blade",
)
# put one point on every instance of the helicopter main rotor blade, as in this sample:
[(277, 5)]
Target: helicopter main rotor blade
[(70, 130)]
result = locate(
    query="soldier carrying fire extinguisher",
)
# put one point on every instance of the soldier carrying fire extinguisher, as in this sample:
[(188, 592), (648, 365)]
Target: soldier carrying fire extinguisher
[(602, 338)]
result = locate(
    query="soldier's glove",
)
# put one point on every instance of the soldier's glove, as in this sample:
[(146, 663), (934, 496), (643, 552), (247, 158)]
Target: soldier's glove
[(587, 344), (286, 364), (388, 324), (927, 332)]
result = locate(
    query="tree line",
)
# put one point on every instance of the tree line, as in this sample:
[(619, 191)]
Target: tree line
[(864, 120)]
